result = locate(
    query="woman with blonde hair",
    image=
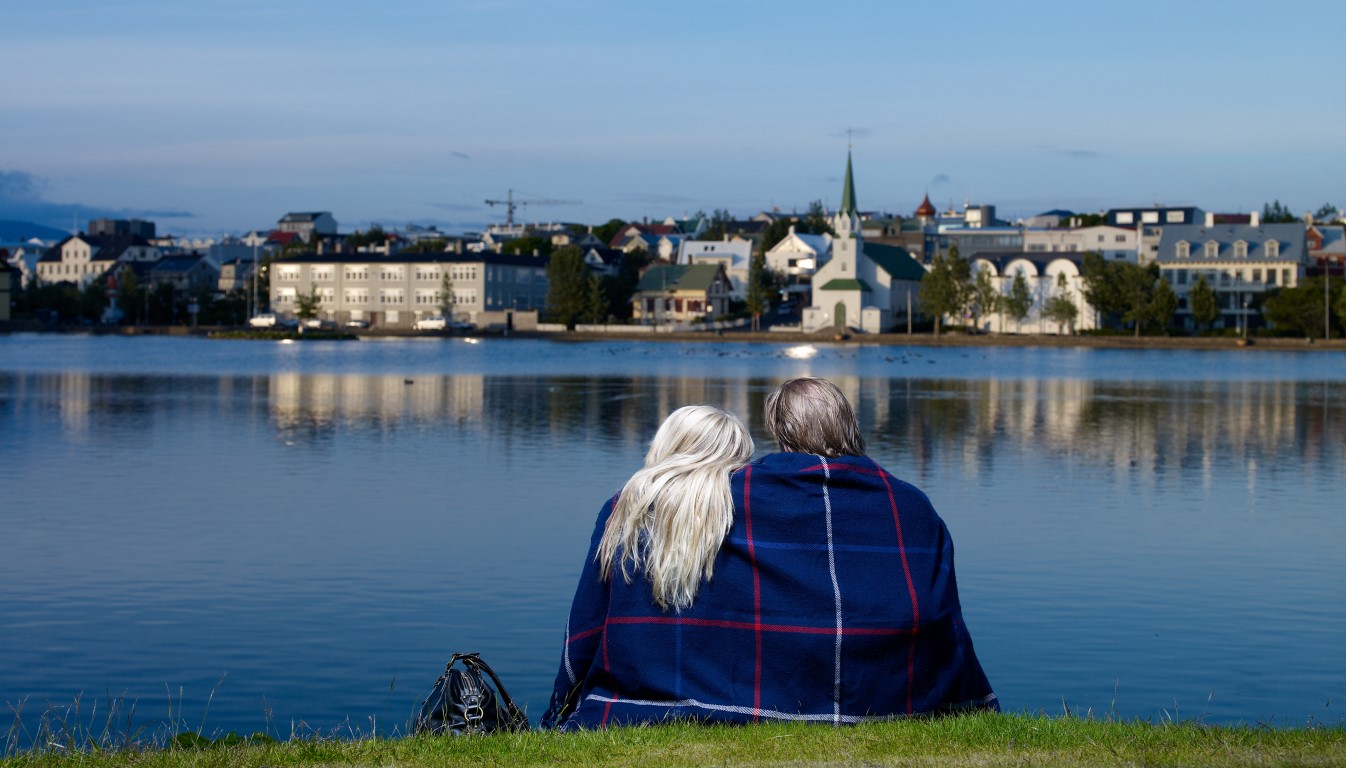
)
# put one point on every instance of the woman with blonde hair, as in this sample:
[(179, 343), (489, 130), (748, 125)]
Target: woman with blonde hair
[(670, 518), (655, 544)]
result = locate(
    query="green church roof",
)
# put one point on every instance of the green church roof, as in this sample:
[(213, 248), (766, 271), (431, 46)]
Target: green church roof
[(845, 284), (848, 190), (895, 261)]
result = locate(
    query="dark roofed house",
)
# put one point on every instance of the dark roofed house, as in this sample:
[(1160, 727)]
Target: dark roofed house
[(681, 293), (306, 225), (6, 288), (187, 273)]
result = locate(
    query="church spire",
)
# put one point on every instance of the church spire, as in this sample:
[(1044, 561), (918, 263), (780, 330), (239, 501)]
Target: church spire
[(848, 191)]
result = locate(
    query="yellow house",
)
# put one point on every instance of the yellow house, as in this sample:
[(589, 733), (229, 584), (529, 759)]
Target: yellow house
[(681, 293)]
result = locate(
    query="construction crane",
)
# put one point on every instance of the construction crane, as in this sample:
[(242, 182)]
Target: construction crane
[(510, 204)]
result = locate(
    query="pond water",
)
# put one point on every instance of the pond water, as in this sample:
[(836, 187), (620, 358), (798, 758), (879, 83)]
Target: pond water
[(257, 536)]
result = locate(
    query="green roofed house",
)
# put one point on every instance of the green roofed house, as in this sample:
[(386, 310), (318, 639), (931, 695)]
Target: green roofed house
[(864, 286), (681, 293)]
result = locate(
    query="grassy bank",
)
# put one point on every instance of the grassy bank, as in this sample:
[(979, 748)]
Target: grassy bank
[(978, 740)]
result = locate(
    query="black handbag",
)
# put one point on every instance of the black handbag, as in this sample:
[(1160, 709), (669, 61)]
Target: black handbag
[(463, 701)]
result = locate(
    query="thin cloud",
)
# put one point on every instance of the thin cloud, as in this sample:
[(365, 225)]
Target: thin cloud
[(457, 207), (460, 155), (21, 196), (1077, 154), (940, 180)]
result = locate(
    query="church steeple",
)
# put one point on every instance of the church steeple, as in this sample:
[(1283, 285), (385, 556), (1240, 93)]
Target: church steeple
[(848, 191), (846, 223)]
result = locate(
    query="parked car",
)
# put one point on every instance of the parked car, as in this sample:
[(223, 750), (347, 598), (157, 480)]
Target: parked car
[(357, 323), (264, 320), (318, 324), (461, 325), (432, 323)]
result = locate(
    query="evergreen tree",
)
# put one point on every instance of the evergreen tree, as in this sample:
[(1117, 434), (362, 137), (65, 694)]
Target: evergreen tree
[(945, 287), (568, 292), (984, 298), (306, 304), (1203, 302), (446, 292), (1019, 302), (759, 291)]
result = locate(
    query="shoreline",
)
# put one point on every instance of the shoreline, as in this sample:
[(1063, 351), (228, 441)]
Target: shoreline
[(955, 339)]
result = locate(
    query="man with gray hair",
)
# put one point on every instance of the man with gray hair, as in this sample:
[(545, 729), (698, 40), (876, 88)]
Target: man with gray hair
[(851, 598)]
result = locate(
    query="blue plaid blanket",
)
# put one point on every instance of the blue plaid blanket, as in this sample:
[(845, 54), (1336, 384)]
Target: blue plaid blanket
[(833, 600)]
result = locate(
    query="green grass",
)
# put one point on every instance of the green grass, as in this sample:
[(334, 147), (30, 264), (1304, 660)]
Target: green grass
[(974, 740)]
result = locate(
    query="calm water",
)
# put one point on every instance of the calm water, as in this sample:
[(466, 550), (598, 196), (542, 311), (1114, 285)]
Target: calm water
[(298, 535)]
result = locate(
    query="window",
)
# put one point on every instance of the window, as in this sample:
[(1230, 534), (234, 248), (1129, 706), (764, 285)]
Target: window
[(1173, 217), (323, 273), (1100, 238), (357, 272), (1126, 217), (1182, 277), (1273, 249), (1240, 250), (1212, 249), (1257, 275), (287, 273), (1119, 239), (1150, 217)]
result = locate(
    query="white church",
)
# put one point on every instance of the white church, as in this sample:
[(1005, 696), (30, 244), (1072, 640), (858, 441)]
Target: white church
[(866, 287)]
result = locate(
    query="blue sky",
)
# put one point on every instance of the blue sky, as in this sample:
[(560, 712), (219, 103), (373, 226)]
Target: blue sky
[(215, 116)]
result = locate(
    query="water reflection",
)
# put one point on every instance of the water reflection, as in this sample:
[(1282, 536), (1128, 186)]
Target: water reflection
[(1138, 428), (166, 529)]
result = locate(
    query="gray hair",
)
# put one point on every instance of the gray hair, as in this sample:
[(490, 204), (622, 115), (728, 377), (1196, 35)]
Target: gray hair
[(811, 415)]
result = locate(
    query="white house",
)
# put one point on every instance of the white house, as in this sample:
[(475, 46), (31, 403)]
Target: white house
[(734, 255), (81, 259), (306, 225)]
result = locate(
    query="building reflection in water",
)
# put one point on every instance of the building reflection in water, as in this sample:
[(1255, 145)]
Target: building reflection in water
[(1138, 429)]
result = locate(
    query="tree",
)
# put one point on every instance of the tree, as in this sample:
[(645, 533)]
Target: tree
[(596, 310), (372, 236), (1275, 213), (1100, 288), (306, 304), (1060, 308), (1162, 305), (815, 221), (130, 294), (568, 292), (1204, 304), (1019, 301), (606, 232), (759, 295), (1326, 213), (944, 289), (529, 246), (984, 297), (446, 293), (718, 226), (1302, 308)]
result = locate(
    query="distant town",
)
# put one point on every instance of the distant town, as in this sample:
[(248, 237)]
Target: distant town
[(841, 270)]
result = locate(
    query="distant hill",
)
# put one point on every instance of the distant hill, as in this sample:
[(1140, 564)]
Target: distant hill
[(16, 231)]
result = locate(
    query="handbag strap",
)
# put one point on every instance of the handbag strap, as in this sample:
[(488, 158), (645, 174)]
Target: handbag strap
[(474, 661)]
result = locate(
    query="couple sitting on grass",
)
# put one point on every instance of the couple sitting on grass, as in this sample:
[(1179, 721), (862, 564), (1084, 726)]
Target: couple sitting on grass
[(807, 585)]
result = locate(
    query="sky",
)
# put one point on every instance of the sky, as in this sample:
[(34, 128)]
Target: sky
[(219, 116)]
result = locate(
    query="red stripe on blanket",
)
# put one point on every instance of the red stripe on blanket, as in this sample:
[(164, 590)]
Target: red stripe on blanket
[(911, 589), (756, 592), (759, 627)]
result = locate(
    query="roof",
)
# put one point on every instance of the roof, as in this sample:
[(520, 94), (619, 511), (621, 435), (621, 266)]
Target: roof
[(1290, 237), (108, 248), (895, 260), (1039, 259), (845, 284), (298, 217), (176, 263), (282, 238), (848, 189), (679, 277), (404, 257)]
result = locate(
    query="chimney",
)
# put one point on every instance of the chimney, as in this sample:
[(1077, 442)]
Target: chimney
[(1210, 219), (1255, 219)]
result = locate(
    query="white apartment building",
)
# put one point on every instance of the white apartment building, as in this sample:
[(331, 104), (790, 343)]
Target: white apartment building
[(1112, 243), (395, 291)]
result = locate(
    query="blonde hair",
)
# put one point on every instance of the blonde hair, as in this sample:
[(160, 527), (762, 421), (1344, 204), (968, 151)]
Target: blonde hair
[(672, 515), (811, 415)]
